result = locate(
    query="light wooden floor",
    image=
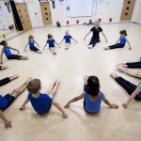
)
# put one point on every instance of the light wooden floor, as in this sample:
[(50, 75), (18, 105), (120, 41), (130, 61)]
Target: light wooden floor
[(70, 67)]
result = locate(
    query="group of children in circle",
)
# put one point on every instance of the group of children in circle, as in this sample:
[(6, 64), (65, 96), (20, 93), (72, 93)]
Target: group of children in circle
[(92, 95)]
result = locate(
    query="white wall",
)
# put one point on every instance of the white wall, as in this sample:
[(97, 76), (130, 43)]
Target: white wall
[(136, 17), (6, 18)]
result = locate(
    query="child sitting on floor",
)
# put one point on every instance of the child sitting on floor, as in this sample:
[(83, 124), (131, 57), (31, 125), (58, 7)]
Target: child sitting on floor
[(31, 43), (51, 42), (42, 103), (120, 42), (8, 99), (67, 39), (7, 51), (92, 96)]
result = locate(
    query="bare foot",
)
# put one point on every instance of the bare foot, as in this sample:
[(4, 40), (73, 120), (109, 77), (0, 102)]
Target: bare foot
[(106, 48), (121, 68), (113, 75)]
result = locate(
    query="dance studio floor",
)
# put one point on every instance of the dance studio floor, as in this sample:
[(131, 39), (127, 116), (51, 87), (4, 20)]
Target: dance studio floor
[(70, 67)]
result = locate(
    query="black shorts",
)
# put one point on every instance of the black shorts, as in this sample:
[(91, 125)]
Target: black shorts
[(17, 57), (0, 67), (10, 99), (34, 49)]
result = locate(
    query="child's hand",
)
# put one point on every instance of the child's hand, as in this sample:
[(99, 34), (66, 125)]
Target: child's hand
[(114, 106), (106, 41), (65, 115), (66, 106), (76, 41), (23, 108), (130, 48), (8, 124), (125, 105)]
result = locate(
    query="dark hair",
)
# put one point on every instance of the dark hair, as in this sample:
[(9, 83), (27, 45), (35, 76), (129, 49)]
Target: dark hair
[(29, 37), (50, 36), (123, 32), (34, 86), (92, 86), (3, 43)]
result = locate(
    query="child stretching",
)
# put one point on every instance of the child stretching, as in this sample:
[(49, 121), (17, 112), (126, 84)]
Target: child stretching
[(51, 42), (67, 39), (7, 80), (7, 51), (42, 103), (120, 42), (133, 90), (92, 97), (7, 100), (31, 43)]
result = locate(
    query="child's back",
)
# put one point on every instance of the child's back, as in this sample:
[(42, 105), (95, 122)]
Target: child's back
[(92, 106), (42, 104)]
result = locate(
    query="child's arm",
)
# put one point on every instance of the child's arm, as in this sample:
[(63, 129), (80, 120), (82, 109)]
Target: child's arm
[(138, 90), (57, 44), (57, 105), (74, 40), (128, 43), (14, 49), (25, 47), (1, 61), (23, 107), (5, 120), (106, 101), (104, 37), (62, 41), (74, 100), (45, 46), (86, 35), (118, 40), (37, 44)]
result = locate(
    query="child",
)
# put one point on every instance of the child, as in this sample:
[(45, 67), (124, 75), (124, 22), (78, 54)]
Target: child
[(92, 97), (120, 42), (132, 65), (96, 29), (7, 51), (67, 39), (31, 43), (42, 103), (133, 90), (7, 100), (51, 42), (8, 79)]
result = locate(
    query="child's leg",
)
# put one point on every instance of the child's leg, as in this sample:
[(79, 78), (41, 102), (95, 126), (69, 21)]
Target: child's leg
[(23, 58), (8, 79), (18, 91), (134, 64), (54, 88), (115, 46), (95, 41), (128, 86), (130, 72)]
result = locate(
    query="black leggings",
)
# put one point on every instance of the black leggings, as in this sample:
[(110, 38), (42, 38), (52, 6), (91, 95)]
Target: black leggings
[(134, 64), (94, 41), (13, 56), (115, 46), (128, 86), (5, 81)]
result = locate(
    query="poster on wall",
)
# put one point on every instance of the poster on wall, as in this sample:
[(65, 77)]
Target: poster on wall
[(80, 9)]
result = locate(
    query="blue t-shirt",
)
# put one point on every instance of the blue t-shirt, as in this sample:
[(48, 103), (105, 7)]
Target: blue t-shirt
[(92, 107), (67, 38), (122, 40), (51, 42), (7, 52), (3, 103), (31, 44), (139, 95), (42, 104)]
